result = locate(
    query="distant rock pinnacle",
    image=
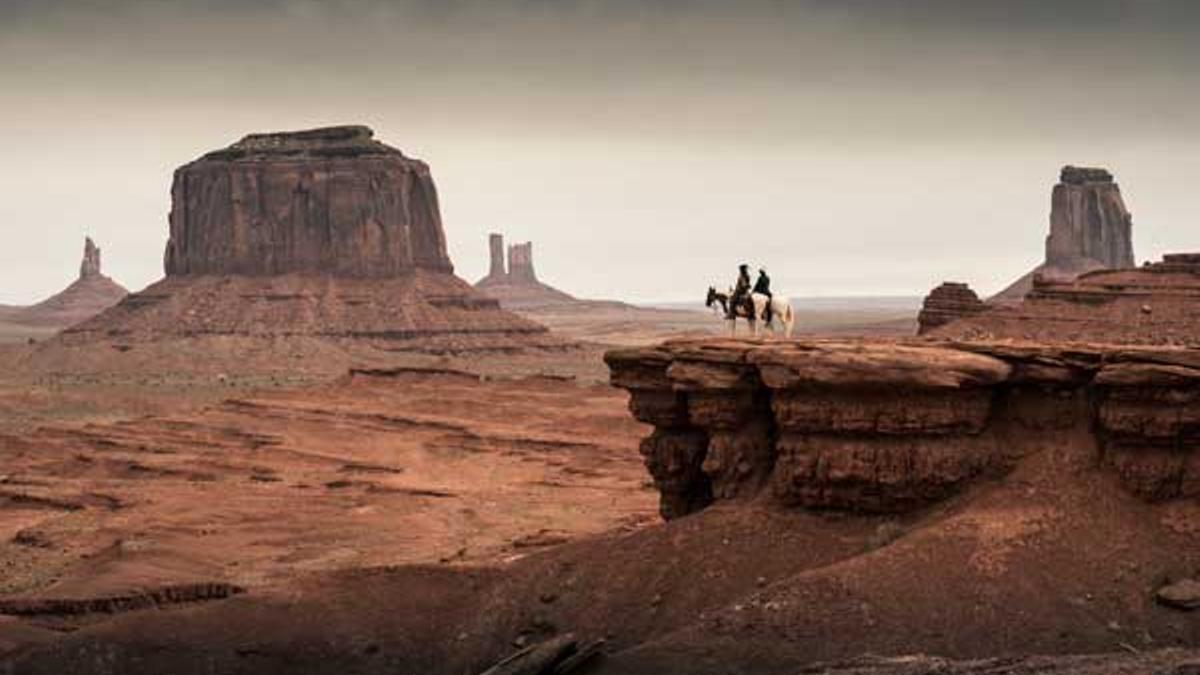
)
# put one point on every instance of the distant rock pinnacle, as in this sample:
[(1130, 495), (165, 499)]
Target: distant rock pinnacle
[(90, 267)]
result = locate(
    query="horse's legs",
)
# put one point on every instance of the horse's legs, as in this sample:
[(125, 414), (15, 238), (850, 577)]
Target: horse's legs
[(732, 327)]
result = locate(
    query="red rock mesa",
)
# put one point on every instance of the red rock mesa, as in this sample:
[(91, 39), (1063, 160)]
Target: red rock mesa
[(325, 232)]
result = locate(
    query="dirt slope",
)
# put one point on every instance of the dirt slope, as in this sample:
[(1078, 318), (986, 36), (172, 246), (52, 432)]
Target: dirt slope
[(1053, 559), (379, 469)]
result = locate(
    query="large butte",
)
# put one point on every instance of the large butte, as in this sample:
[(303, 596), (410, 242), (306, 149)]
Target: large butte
[(326, 232)]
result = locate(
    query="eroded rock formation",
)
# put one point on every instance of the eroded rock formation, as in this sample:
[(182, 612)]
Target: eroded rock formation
[(1157, 304), (87, 296), (1090, 229), (892, 426), (517, 286), (1088, 222), (497, 272), (327, 233), (328, 201), (520, 263), (90, 267), (946, 303)]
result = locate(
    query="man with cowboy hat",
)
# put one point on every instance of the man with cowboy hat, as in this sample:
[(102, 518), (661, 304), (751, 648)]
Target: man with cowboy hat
[(763, 286), (741, 293)]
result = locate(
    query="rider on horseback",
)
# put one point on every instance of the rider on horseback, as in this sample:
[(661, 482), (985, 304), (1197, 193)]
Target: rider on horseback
[(741, 293), (763, 287)]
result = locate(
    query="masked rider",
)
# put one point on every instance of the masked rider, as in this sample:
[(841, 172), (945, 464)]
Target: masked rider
[(741, 293)]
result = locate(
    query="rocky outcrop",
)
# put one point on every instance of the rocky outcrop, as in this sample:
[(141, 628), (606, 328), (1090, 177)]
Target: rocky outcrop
[(326, 233), (1157, 304), (892, 426), (946, 303), (87, 296), (517, 286), (90, 267), (497, 272), (520, 264), (1088, 222), (326, 201), (1090, 229)]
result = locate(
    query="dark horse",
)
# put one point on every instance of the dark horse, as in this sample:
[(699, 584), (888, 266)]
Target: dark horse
[(743, 310), (716, 296)]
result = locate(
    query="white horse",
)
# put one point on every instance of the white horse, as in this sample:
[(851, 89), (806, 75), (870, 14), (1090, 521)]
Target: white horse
[(780, 310)]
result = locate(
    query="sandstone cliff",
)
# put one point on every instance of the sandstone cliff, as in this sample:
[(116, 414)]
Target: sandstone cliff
[(325, 233), (892, 426), (1090, 229), (1158, 304), (330, 201)]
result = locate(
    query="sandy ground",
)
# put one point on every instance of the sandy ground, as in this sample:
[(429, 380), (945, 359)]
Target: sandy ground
[(13, 333), (220, 505), (400, 467)]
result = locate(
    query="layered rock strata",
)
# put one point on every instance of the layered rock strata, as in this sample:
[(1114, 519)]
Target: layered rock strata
[(1090, 229), (1088, 221), (892, 426), (325, 233), (327, 201), (1156, 304), (946, 303)]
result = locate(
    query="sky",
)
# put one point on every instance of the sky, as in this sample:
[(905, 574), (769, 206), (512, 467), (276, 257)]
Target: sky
[(852, 147)]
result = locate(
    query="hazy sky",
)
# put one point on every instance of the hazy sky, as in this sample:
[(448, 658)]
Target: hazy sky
[(646, 147)]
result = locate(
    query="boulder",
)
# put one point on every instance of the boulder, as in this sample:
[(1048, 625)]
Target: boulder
[(1183, 595)]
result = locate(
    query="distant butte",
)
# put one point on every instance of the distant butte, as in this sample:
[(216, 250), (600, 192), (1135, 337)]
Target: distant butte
[(326, 201), (325, 233), (1090, 229), (1088, 288), (87, 296), (517, 286)]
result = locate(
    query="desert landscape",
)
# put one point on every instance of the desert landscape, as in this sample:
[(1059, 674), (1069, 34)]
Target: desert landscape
[(280, 452), (314, 441)]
